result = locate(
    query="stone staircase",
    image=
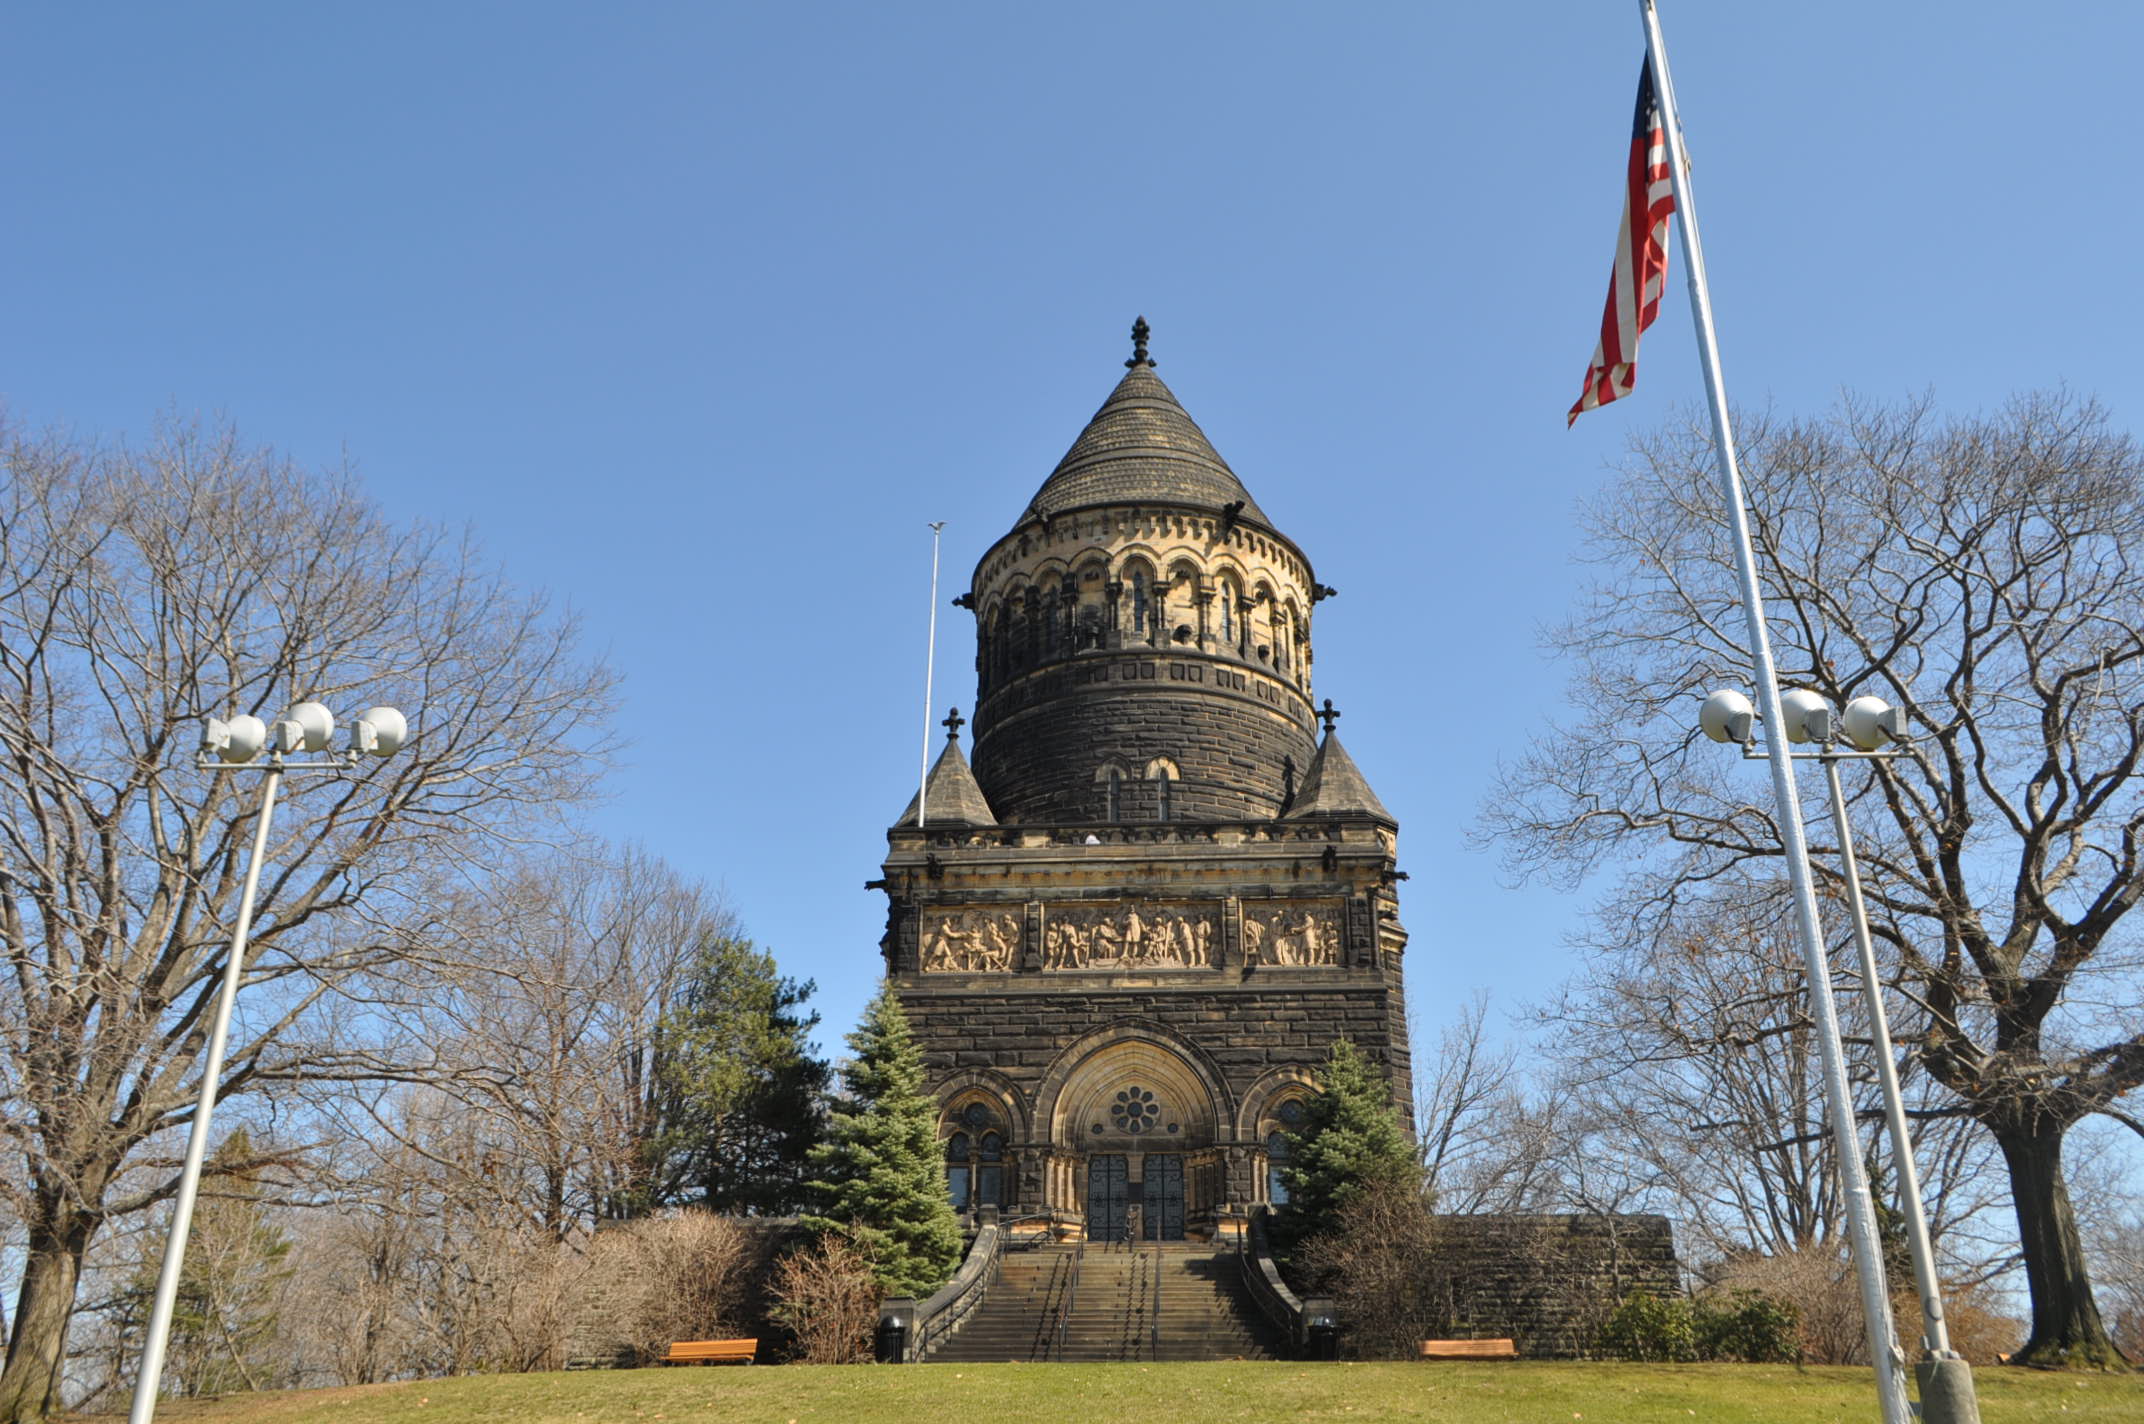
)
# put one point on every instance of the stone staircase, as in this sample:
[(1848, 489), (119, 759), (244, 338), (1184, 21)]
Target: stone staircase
[(1096, 1302)]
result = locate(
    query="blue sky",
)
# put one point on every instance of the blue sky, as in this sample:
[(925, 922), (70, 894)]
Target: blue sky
[(700, 313)]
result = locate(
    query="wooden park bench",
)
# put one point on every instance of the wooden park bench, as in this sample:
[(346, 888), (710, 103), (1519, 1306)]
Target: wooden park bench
[(712, 1352), (1469, 1350)]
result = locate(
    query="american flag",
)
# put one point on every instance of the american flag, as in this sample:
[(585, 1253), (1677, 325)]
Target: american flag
[(1641, 257)]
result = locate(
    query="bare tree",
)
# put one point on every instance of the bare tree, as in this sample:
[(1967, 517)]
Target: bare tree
[(141, 590), (1979, 574), (554, 1019), (1692, 1063), (1489, 1143)]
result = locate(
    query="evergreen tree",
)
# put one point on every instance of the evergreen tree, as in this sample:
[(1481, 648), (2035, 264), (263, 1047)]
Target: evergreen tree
[(735, 1092), (1350, 1144), (223, 1320), (881, 1172)]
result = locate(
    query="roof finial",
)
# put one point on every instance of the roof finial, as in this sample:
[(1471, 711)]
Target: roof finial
[(1328, 715), (953, 723), (1140, 332)]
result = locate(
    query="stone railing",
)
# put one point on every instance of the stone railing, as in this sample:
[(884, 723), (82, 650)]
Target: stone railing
[(1310, 1321), (908, 1331)]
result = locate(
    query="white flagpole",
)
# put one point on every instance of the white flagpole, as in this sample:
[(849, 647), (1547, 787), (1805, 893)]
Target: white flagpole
[(1860, 1209), (930, 662)]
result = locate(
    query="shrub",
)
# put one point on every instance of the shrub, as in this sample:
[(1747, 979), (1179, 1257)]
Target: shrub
[(1817, 1283), (827, 1292), (1646, 1327), (1379, 1260), (688, 1280), (1747, 1325)]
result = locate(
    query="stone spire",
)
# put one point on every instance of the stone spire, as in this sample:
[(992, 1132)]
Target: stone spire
[(1142, 447), (1334, 786), (955, 799)]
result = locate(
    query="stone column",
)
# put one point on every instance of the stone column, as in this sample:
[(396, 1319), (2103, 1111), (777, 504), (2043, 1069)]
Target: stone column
[(1031, 938), (904, 931)]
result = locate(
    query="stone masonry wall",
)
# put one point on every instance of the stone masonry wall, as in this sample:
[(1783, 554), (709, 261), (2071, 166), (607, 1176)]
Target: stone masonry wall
[(1239, 738), (1549, 1283), (1243, 1031)]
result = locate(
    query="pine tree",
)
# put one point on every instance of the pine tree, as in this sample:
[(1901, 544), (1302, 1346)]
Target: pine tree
[(881, 1172), (733, 1107), (1350, 1143), (223, 1323)]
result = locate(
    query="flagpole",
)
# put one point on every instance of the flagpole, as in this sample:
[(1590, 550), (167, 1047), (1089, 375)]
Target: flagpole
[(930, 663), (1860, 1207)]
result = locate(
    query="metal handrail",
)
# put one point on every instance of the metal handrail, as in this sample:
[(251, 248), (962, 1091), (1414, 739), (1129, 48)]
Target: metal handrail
[(1064, 1309), (1040, 1348), (1154, 1321), (1026, 1219), (1128, 1336)]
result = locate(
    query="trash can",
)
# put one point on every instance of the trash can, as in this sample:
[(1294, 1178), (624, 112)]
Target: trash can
[(896, 1322), (1321, 1330)]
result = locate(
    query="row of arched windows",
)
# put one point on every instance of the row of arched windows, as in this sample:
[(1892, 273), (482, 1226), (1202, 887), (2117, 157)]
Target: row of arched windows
[(1072, 613), (977, 1167), (1124, 800)]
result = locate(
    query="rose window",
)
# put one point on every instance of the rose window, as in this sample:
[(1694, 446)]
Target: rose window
[(1135, 1110)]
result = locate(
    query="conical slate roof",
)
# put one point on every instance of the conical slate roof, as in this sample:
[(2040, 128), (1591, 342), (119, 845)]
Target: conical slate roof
[(955, 798), (1141, 447), (1335, 787)]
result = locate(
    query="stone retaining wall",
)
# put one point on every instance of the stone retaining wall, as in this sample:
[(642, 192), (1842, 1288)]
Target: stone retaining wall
[(1550, 1282)]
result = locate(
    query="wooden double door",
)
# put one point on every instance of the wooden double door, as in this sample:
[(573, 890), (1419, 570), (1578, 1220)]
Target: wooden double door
[(1111, 1194)]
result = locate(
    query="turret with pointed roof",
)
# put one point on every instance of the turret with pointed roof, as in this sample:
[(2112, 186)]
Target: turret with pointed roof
[(1144, 631)]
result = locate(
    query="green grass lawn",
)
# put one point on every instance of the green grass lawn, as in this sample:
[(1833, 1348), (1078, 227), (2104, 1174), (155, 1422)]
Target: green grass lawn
[(1166, 1394)]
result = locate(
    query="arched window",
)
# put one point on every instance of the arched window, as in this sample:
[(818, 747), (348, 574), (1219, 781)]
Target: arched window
[(958, 1168), (1288, 1116), (1116, 795), (1228, 615), (975, 1160), (1162, 772), (1276, 1159), (1139, 603)]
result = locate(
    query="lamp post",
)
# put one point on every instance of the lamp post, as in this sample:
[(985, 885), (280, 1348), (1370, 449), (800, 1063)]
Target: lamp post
[(226, 746), (1871, 725)]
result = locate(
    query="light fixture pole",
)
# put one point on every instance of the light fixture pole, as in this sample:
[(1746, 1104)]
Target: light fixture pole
[(226, 746), (1946, 1378), (930, 664)]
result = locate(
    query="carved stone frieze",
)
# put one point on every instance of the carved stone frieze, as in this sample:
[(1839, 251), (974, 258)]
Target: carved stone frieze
[(1290, 933), (1131, 937), (970, 941)]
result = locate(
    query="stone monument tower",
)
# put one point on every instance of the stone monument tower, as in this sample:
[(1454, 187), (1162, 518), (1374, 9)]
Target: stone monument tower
[(1128, 935)]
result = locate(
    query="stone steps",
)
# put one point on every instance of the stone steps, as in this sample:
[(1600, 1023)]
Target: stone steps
[(1204, 1313)]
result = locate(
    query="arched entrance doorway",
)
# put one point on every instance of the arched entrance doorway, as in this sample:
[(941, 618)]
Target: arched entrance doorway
[(1135, 1137)]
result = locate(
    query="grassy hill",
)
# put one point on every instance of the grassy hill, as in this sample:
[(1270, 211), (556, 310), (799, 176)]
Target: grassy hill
[(1177, 1394)]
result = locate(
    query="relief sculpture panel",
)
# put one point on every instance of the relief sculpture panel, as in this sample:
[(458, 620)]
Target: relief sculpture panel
[(1291, 933), (1131, 937), (970, 941)]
